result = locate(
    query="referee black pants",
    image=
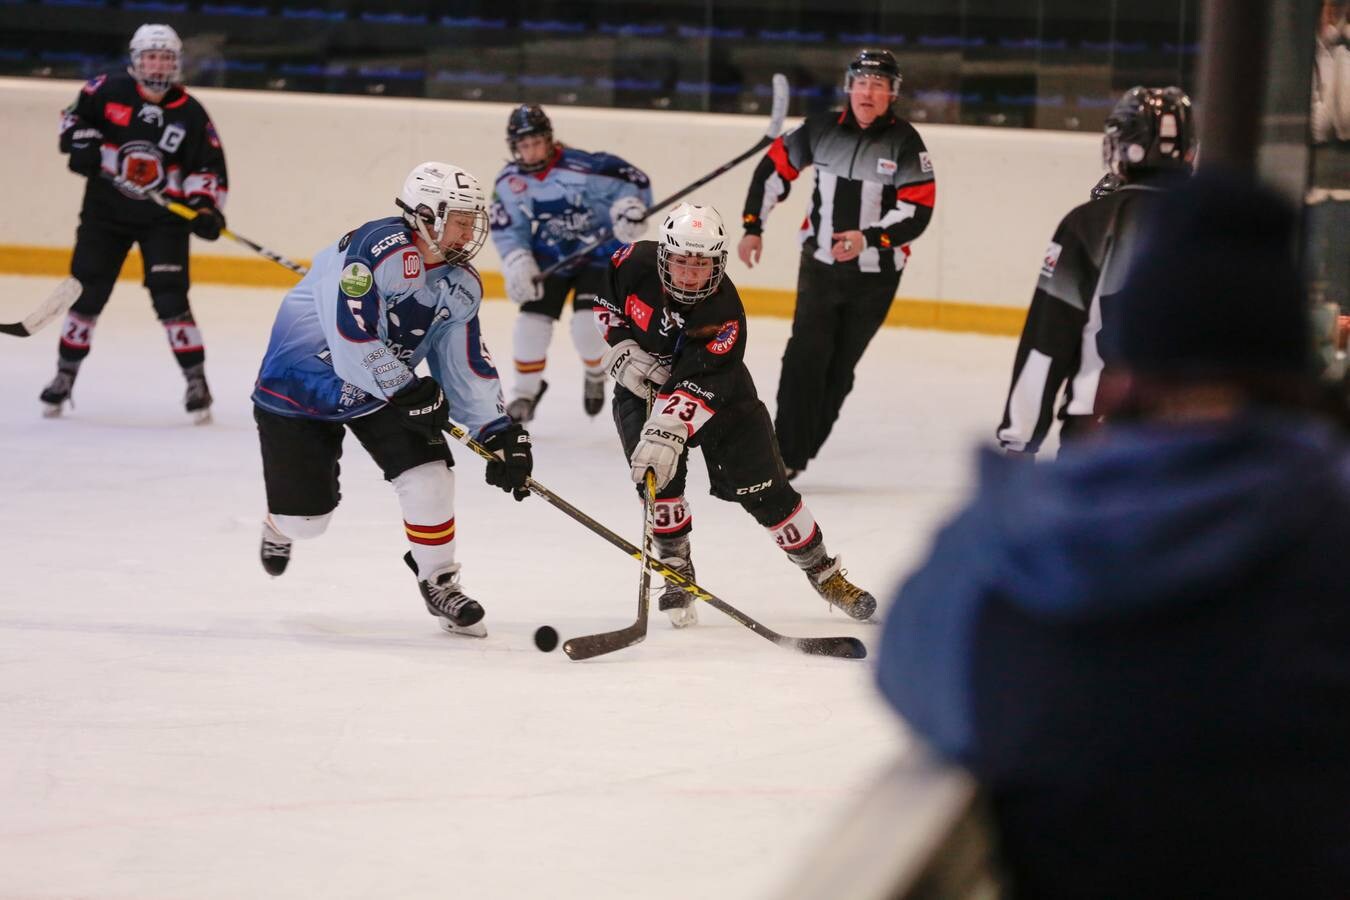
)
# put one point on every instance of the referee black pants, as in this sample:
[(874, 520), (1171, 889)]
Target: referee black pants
[(839, 309)]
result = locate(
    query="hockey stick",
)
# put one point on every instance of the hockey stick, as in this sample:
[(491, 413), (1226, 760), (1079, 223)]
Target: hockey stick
[(777, 113), (590, 645), (187, 212), (56, 304), (841, 647)]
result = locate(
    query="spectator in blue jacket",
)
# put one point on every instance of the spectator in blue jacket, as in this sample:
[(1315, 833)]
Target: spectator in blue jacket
[(1143, 649)]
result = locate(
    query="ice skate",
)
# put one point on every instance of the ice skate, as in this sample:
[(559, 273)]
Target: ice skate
[(829, 581), (593, 393), (197, 398), (56, 395), (675, 601), (275, 551), (445, 598), (521, 409)]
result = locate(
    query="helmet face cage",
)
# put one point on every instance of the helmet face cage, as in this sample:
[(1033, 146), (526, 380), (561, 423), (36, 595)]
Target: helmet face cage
[(435, 192), (1150, 128), (874, 63), (525, 121), (692, 231), (156, 39)]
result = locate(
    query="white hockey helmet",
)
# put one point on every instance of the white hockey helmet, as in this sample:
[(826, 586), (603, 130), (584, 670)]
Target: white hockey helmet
[(158, 73), (434, 192), (691, 231)]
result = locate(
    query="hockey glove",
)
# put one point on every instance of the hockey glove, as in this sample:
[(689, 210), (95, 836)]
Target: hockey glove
[(514, 463), (662, 444), (209, 221), (634, 368), (627, 217), (423, 403), (519, 270), (86, 158)]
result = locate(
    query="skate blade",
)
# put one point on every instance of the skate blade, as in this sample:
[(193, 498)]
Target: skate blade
[(51, 410), (477, 629), (683, 618), (202, 417)]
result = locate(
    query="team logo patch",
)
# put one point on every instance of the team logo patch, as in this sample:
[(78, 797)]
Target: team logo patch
[(516, 184), (639, 313), (412, 264), (725, 338), (618, 256), (94, 84), (886, 167), (356, 280), (1051, 259), (151, 115), (211, 137), (117, 113), (925, 164)]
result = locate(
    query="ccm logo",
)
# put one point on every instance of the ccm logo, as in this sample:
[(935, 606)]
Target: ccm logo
[(753, 489)]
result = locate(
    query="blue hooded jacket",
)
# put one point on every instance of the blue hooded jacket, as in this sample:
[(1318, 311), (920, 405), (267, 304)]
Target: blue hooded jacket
[(1143, 650)]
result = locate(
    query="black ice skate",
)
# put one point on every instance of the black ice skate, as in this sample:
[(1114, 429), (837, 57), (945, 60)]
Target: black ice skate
[(593, 393), (197, 398), (675, 601), (56, 395), (828, 579), (457, 611), (275, 552), (521, 409)]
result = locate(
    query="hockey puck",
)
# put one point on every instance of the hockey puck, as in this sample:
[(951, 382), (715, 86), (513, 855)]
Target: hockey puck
[(546, 638)]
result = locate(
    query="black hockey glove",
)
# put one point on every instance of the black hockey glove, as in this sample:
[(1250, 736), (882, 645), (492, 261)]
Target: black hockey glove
[(514, 462), (423, 402), (209, 221), (87, 159)]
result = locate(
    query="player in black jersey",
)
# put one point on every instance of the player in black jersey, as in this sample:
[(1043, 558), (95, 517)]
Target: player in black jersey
[(676, 329), (140, 125), (1149, 141)]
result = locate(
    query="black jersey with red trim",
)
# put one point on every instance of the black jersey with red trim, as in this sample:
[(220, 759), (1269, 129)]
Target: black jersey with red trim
[(703, 344), (170, 146), (1082, 270), (877, 180)]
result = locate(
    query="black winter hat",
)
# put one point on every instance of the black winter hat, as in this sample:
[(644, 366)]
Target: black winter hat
[(1214, 288)]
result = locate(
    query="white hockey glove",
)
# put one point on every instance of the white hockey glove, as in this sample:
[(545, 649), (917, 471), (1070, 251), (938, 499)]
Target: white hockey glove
[(626, 215), (662, 444), (519, 269), (634, 368)]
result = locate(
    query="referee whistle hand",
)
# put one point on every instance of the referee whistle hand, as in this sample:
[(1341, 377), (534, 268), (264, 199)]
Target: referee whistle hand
[(847, 245), (749, 249)]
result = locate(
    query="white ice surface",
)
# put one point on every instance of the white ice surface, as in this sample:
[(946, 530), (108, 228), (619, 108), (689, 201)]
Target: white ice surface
[(174, 723)]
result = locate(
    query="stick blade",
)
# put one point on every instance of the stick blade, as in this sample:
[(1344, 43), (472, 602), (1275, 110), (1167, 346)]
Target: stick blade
[(778, 111), (838, 647), (57, 303), (592, 645)]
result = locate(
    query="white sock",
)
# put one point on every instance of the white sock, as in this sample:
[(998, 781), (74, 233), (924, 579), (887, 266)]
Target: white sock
[(529, 345), (426, 494), (587, 339), (299, 528)]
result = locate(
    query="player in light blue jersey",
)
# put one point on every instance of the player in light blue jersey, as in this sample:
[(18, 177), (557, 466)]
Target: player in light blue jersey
[(385, 297), (549, 202)]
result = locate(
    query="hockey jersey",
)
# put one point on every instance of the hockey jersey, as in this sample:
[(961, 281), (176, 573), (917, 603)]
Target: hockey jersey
[(1084, 266), (878, 180), (349, 335), (170, 146), (704, 345), (558, 210)]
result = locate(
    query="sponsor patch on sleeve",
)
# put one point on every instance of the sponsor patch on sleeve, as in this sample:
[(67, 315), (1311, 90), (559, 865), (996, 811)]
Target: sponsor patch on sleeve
[(725, 338), (1051, 260), (356, 280), (925, 164), (412, 264)]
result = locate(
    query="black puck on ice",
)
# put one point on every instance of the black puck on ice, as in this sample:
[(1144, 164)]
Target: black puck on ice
[(546, 638)]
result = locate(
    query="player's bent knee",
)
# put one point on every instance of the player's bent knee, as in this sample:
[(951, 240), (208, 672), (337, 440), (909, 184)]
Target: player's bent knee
[(301, 528), (430, 484)]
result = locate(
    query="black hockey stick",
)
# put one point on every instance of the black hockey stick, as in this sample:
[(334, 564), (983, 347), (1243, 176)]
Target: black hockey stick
[(841, 647), (777, 113), (56, 304), (590, 645), (187, 212)]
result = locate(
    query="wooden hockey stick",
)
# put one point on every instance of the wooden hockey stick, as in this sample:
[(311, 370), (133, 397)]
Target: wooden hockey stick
[(55, 306), (187, 212), (590, 645), (840, 647), (777, 113)]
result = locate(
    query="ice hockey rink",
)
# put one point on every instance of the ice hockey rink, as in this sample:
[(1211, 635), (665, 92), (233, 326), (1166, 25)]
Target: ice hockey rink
[(174, 723)]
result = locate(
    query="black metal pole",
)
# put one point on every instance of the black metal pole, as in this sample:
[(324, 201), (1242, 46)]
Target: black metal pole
[(1233, 55)]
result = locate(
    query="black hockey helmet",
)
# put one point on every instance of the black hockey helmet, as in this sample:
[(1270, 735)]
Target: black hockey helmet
[(526, 120), (880, 63), (1150, 128)]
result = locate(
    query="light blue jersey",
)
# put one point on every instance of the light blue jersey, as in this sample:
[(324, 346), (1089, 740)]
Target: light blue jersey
[(555, 211), (349, 335)]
